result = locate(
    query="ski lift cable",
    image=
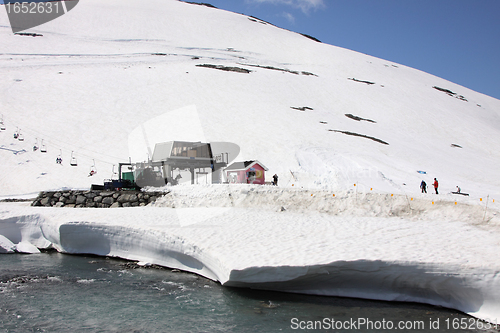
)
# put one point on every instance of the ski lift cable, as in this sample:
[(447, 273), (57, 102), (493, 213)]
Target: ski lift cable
[(86, 156), (21, 138), (56, 142), (65, 145), (60, 144)]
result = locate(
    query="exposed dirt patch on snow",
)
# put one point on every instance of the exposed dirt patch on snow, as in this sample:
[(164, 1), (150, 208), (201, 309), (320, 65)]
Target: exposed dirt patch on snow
[(226, 68), (362, 136), (285, 70), (348, 115), (301, 108), (361, 81), (451, 93)]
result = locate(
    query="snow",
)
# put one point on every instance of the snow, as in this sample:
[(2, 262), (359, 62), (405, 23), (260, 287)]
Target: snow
[(6, 246), (25, 247), (368, 245), (110, 79)]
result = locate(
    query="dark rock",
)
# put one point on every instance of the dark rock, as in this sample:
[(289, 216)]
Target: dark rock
[(108, 200), (98, 199), (80, 199), (72, 199), (123, 198)]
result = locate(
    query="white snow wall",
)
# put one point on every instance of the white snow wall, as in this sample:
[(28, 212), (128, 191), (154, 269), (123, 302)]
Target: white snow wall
[(474, 291)]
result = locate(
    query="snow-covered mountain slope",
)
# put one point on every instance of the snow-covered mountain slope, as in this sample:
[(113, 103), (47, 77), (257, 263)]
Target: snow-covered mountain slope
[(109, 79), (106, 67)]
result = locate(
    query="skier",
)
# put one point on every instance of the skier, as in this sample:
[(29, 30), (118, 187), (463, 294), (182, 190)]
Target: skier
[(436, 184), (275, 180), (423, 186)]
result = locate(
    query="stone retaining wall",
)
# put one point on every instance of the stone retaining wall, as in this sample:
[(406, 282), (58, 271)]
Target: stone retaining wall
[(96, 199)]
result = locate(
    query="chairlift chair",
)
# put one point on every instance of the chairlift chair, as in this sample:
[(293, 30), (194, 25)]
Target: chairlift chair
[(73, 160), (2, 126), (35, 146), (59, 157), (16, 133), (93, 170), (20, 137), (43, 148)]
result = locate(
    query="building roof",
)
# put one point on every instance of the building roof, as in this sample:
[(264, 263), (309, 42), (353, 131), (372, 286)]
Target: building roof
[(244, 165), (179, 149)]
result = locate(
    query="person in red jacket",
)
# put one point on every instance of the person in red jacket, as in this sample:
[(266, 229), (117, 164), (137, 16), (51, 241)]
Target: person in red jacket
[(436, 184)]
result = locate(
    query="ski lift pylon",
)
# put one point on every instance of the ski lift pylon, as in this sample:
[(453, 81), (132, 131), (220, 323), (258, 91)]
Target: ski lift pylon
[(73, 160), (114, 175)]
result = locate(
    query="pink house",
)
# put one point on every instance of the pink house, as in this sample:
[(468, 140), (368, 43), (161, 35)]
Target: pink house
[(248, 172)]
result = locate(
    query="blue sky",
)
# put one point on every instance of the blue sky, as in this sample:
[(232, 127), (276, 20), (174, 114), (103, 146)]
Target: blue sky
[(458, 40)]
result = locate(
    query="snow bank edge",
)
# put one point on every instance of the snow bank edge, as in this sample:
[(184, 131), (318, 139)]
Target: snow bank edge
[(471, 290)]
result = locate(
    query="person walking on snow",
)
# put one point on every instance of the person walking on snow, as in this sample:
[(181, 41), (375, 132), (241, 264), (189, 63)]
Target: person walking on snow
[(275, 180), (423, 186), (436, 184)]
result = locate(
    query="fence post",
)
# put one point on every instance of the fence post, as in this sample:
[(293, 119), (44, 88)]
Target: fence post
[(486, 207)]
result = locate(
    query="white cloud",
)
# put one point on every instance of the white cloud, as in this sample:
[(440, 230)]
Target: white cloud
[(304, 5), (289, 17)]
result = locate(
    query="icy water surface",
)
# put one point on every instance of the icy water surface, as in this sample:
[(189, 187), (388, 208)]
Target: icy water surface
[(63, 293)]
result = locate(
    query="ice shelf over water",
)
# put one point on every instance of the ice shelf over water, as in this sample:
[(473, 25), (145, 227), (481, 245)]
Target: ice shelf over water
[(363, 245)]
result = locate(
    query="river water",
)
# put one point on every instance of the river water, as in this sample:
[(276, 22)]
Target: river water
[(53, 292)]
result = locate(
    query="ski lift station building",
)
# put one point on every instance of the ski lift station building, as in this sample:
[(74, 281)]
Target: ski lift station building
[(196, 157), (247, 172)]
